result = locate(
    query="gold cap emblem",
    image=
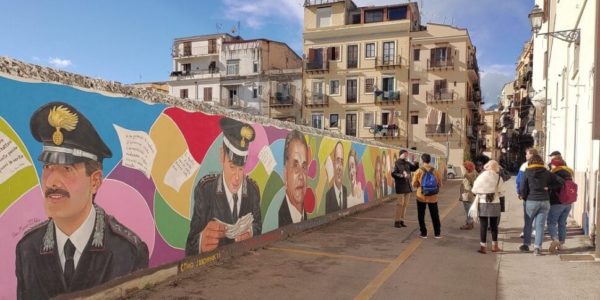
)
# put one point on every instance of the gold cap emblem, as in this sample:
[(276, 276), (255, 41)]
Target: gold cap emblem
[(247, 134), (61, 118)]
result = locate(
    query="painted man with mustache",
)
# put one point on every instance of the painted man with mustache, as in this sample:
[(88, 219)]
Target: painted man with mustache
[(80, 245), (295, 162)]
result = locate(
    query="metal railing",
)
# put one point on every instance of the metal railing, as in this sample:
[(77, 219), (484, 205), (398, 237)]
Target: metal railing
[(316, 66), (316, 100), (281, 101), (208, 73), (386, 96), (443, 95), (388, 61), (440, 63), (194, 51), (438, 129), (384, 131), (234, 103)]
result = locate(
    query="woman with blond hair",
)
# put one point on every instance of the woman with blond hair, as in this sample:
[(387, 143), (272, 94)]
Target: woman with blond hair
[(466, 196), (488, 188)]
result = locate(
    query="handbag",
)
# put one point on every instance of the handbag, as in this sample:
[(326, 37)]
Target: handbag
[(474, 210), (502, 204)]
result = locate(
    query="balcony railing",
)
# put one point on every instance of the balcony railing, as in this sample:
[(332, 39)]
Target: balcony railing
[(313, 100), (282, 101), (316, 66), (194, 51), (438, 129), (382, 97), (196, 74), (443, 95), (384, 131), (388, 61), (233, 103), (445, 64)]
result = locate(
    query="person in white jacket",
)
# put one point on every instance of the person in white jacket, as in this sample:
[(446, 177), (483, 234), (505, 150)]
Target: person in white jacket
[(488, 188)]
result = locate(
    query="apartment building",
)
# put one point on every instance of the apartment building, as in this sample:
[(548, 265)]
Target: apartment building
[(248, 75), (376, 73), (489, 132)]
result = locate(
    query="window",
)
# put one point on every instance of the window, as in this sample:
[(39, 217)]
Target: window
[(233, 66), (397, 13), (254, 93), (355, 19), (352, 56), (207, 94), (372, 16), (212, 46), (388, 53), (441, 57), (260, 89), (416, 54), (370, 50), (334, 87), (351, 89), (368, 119), (317, 120), (369, 85), (317, 92), (415, 88), (323, 17), (440, 86), (351, 124), (187, 48), (183, 93), (255, 67), (187, 68), (334, 120), (414, 117), (333, 53), (385, 118), (315, 59)]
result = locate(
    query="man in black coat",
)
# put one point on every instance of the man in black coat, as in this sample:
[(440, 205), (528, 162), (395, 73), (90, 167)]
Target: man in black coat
[(80, 246), (337, 196), (402, 177), (295, 168), (227, 196)]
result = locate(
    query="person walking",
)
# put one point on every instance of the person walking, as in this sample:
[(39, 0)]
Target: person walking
[(528, 223), (466, 195), (428, 182), (402, 175), (488, 188), (534, 189), (560, 204)]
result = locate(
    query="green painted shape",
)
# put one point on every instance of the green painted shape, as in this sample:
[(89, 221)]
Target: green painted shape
[(23, 180), (260, 176), (172, 226), (274, 185)]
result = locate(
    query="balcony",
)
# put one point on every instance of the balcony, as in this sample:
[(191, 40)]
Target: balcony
[(385, 131), (387, 97), (232, 103), (316, 67), (440, 64), (282, 101), (438, 129), (319, 2), (388, 62), (441, 96), (185, 52), (316, 100), (197, 74)]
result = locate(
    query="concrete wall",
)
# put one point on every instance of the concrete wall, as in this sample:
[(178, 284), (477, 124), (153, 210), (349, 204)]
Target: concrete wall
[(152, 193)]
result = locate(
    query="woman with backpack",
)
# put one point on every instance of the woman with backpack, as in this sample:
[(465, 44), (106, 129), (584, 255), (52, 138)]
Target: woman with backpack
[(535, 186), (560, 204), (466, 196), (488, 188), (428, 182)]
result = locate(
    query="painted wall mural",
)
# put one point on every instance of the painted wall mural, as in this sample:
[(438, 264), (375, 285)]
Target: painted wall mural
[(171, 183)]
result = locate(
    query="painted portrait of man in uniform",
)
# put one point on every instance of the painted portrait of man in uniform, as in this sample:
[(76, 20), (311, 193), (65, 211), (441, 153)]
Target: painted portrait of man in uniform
[(224, 198), (80, 245), (295, 155)]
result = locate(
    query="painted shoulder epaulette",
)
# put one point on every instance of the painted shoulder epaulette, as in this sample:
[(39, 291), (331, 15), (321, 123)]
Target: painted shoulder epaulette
[(209, 178), (119, 229), (36, 226)]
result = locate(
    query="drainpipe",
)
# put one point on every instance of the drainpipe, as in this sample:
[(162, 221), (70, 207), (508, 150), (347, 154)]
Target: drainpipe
[(409, 89), (596, 122)]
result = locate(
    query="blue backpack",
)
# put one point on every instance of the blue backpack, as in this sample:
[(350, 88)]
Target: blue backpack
[(429, 184)]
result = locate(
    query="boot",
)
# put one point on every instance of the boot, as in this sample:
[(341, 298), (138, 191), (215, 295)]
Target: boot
[(495, 248), (467, 226), (397, 224), (402, 224), (482, 250)]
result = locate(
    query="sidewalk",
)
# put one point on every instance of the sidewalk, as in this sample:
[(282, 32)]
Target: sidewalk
[(362, 256)]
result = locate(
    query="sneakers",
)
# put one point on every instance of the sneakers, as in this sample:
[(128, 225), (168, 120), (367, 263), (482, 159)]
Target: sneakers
[(537, 251), (554, 246), (522, 234), (423, 236), (437, 237), (524, 248)]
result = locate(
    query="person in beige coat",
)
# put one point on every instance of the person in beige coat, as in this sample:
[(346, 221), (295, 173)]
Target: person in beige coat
[(430, 200)]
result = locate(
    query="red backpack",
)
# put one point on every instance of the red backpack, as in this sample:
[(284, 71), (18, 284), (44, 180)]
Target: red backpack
[(568, 193)]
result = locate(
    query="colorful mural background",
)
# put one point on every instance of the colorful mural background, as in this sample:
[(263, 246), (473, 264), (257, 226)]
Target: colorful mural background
[(153, 195)]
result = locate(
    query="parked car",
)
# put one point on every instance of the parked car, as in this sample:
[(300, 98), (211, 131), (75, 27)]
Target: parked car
[(451, 172)]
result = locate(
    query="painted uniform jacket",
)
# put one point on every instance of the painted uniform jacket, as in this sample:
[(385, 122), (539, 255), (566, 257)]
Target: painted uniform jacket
[(210, 202), (112, 251)]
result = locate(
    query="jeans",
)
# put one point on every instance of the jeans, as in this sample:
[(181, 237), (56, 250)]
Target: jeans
[(467, 206), (558, 216), (537, 210), (435, 217)]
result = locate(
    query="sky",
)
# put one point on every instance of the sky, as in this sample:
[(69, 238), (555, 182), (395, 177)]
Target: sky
[(130, 41)]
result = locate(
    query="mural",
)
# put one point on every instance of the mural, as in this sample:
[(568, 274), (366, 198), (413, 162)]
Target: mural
[(95, 187)]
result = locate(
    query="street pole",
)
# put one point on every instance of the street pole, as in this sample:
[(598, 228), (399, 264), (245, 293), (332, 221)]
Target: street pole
[(596, 123)]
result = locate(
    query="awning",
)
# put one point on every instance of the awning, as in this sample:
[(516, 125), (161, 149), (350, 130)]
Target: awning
[(539, 99)]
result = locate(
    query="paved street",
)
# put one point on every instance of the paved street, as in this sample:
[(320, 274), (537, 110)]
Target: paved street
[(363, 256)]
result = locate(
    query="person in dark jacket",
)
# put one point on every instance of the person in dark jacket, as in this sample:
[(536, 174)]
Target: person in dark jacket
[(402, 177), (557, 217), (536, 183)]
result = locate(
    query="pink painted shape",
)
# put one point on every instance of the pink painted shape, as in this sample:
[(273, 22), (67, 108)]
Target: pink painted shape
[(22, 215), (128, 206), (259, 142), (312, 169), (360, 174)]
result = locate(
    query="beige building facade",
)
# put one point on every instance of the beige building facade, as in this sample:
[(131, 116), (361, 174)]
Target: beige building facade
[(376, 73)]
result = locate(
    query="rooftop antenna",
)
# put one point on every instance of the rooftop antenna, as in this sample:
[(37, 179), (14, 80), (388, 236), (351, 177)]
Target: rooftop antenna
[(218, 25)]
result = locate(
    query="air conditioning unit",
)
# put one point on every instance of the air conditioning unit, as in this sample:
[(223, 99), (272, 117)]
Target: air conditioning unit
[(397, 114)]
